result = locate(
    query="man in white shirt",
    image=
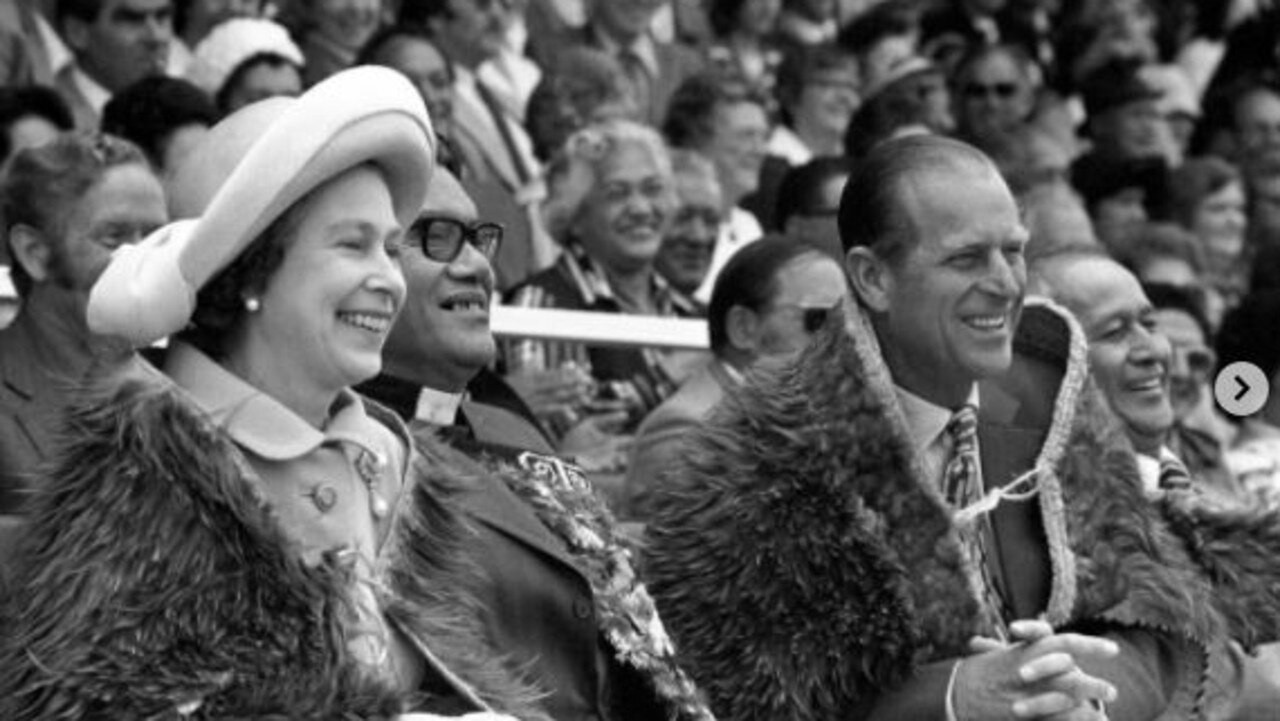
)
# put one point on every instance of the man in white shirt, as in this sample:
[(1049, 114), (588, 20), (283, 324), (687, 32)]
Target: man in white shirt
[(115, 43)]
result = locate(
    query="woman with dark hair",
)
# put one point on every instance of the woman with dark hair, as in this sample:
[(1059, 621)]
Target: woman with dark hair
[(245, 60), (1207, 197), (244, 536), (164, 116), (30, 116)]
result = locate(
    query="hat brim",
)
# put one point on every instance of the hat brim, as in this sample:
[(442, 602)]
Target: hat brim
[(248, 171)]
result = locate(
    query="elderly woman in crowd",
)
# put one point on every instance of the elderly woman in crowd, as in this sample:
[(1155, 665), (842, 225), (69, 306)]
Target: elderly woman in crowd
[(274, 550), (245, 60), (611, 198)]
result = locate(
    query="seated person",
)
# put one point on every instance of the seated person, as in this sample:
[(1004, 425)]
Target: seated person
[(293, 558), (611, 199), (555, 605), (768, 301), (685, 255)]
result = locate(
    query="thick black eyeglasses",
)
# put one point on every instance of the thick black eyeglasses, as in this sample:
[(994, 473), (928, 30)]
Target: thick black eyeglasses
[(441, 239)]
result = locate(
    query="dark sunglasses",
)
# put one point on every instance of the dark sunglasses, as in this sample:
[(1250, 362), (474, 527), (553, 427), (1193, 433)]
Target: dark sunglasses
[(1000, 90), (811, 317), (441, 239)]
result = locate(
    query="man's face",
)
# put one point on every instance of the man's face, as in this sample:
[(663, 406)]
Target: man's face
[(474, 30), (443, 330), (1133, 130), (685, 254), (128, 41), (995, 98), (738, 145), (1128, 357), (124, 206), (1258, 125), (952, 302), (1192, 361), (625, 19), (828, 99)]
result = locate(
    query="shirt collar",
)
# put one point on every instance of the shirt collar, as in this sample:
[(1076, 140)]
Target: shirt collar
[(592, 284), (925, 420), (94, 94), (437, 407), (256, 421)]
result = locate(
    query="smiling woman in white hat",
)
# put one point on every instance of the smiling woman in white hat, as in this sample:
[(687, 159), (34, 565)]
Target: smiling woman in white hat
[(246, 536)]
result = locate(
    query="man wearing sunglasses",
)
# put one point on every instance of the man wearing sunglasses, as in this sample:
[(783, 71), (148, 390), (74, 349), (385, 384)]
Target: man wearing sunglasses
[(547, 604)]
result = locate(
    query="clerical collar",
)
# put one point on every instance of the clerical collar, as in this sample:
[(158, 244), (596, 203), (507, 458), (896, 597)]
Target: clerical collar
[(437, 407)]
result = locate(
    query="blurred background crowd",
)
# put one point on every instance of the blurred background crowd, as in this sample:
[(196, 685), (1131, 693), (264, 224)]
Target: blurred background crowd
[(631, 148)]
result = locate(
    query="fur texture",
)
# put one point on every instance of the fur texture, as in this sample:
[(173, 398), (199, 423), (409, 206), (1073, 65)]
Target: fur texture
[(151, 578), (803, 565)]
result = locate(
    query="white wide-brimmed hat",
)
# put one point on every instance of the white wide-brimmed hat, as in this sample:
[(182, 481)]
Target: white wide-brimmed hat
[(250, 169)]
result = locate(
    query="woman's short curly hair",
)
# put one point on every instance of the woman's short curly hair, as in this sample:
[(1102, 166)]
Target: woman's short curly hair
[(575, 170)]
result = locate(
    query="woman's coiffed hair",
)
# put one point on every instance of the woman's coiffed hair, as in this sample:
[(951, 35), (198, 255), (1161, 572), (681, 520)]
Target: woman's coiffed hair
[(575, 171)]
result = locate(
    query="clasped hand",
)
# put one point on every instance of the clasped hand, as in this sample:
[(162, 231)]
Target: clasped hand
[(1036, 676)]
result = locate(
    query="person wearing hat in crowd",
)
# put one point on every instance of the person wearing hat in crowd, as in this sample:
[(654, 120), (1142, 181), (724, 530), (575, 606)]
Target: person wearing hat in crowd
[(276, 548), (907, 96), (938, 467), (1124, 118), (570, 612), (244, 60)]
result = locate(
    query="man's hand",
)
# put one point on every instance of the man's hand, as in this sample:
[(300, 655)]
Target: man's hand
[(1036, 677)]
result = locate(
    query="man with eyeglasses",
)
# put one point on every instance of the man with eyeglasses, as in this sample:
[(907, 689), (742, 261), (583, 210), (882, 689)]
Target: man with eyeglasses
[(66, 206), (571, 617)]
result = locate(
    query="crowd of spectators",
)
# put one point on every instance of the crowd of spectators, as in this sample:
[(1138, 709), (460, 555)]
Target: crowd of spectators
[(678, 159)]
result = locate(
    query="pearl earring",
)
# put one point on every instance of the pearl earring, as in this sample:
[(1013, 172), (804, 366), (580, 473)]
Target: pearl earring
[(253, 305)]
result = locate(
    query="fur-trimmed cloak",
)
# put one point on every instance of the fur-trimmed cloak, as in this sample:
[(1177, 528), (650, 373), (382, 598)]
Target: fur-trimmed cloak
[(152, 582), (804, 566)]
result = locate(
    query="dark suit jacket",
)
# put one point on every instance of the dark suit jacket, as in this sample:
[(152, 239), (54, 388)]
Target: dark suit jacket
[(676, 63), (658, 440), (1010, 434), (540, 604)]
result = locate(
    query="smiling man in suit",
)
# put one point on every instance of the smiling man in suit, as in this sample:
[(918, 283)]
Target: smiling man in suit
[(563, 602)]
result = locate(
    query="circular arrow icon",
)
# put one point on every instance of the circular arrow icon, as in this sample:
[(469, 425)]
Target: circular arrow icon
[(1241, 389)]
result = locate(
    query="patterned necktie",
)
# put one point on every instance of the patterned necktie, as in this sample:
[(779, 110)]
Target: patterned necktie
[(963, 486), (1173, 475)]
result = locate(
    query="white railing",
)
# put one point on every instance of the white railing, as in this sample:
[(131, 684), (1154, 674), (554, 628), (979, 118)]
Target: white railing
[(598, 328)]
